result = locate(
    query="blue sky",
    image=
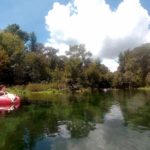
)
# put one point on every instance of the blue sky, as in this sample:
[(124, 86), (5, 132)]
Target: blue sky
[(29, 14), (105, 30)]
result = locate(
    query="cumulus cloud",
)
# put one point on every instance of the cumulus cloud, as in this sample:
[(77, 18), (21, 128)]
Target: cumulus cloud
[(105, 32)]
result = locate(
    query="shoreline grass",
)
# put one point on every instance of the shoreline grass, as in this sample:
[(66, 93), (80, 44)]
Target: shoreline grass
[(39, 90), (36, 91), (144, 88)]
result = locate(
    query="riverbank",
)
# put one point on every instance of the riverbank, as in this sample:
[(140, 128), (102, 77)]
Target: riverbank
[(144, 88), (47, 91), (42, 88), (34, 91)]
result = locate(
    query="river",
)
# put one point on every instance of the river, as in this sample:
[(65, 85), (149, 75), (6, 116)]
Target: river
[(110, 120)]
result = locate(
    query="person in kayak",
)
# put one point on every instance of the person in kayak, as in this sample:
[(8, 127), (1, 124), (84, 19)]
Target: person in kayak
[(3, 91)]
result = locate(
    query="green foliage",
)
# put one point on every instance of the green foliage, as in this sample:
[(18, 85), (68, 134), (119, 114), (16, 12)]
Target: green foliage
[(12, 44), (35, 67), (33, 41), (10, 47), (15, 30), (4, 60), (23, 60), (39, 87), (36, 87), (134, 67), (97, 76), (147, 79)]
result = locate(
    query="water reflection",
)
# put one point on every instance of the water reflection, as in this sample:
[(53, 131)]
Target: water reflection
[(105, 121), (114, 117), (6, 109)]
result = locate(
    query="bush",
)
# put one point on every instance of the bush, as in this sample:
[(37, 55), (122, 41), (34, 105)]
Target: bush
[(37, 87)]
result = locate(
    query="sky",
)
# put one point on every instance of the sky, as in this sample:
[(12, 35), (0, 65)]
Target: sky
[(106, 27)]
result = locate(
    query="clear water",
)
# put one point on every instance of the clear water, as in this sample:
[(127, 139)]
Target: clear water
[(118, 120)]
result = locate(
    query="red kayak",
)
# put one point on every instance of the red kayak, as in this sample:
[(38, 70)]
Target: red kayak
[(5, 100), (8, 102)]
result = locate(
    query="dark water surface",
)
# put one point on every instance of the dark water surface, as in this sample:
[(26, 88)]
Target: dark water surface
[(118, 120)]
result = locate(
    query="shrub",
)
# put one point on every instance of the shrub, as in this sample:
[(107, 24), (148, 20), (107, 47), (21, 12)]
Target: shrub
[(37, 87)]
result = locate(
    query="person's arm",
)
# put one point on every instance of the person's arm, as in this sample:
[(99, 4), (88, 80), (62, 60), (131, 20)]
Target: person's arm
[(2, 93)]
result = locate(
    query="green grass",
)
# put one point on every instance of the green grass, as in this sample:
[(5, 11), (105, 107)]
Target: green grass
[(144, 88), (18, 90), (35, 91)]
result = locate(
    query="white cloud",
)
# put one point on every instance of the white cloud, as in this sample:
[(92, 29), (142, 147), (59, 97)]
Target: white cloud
[(112, 64), (105, 33)]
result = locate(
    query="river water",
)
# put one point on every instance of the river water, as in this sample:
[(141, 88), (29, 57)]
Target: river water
[(113, 120)]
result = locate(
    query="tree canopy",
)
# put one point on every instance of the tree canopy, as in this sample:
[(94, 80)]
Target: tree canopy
[(23, 59), (134, 68)]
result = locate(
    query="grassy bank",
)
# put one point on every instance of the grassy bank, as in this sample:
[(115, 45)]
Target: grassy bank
[(144, 88), (40, 91), (36, 90)]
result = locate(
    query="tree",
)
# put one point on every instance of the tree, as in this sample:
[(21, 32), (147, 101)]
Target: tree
[(35, 68), (117, 81), (148, 79), (4, 60), (51, 57), (4, 63), (10, 45), (77, 59), (79, 52), (33, 42), (134, 66), (16, 30), (97, 76)]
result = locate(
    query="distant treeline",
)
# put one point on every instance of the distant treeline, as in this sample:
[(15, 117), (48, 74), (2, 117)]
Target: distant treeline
[(134, 68), (23, 60)]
